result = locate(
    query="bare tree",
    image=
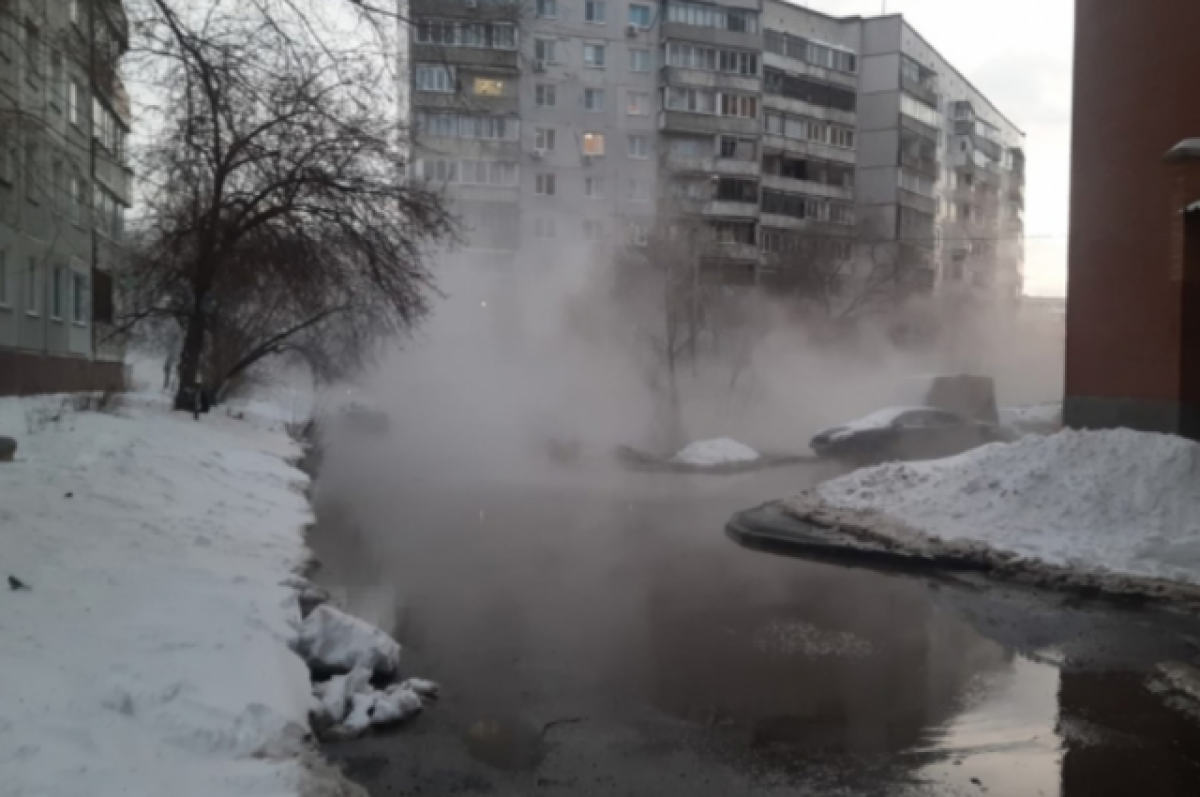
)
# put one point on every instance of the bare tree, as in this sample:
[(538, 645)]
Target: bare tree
[(278, 217)]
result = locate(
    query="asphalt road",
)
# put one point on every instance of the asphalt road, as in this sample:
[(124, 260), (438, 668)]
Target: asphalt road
[(596, 633)]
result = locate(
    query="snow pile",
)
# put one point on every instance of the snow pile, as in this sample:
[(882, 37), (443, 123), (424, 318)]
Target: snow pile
[(150, 654), (333, 641), (349, 704), (1119, 501), (722, 451)]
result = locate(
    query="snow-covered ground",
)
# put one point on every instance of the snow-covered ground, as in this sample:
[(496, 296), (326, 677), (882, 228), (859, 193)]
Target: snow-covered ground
[(1101, 502), (150, 653), (721, 451)]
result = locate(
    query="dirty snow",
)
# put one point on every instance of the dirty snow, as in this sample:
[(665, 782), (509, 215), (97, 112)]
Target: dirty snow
[(721, 451), (333, 641), (151, 654), (1116, 502)]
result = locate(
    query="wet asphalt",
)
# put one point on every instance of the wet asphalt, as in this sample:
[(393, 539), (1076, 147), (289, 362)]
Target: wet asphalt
[(596, 633)]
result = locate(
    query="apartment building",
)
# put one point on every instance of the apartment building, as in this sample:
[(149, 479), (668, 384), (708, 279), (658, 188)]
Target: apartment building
[(64, 116), (779, 132)]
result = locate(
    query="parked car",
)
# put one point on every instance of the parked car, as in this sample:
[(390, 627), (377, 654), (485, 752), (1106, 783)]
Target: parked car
[(905, 433)]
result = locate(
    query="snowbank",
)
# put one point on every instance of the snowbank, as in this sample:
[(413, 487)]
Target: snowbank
[(150, 655), (1115, 502), (722, 451)]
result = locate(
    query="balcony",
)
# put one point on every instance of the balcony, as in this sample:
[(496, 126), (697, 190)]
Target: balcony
[(910, 199), (472, 10), (496, 59), (814, 227), (699, 78), (720, 209), (723, 166), (684, 122), (924, 166), (693, 33), (793, 186), (736, 251), (924, 92), (792, 146), (778, 102)]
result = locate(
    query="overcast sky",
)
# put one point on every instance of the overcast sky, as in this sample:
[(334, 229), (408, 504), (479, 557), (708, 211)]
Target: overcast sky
[(1018, 53)]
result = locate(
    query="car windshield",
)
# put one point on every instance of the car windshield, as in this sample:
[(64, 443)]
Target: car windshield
[(923, 419)]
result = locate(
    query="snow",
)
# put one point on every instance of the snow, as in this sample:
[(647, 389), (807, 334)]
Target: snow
[(1104, 502), (333, 641), (880, 419), (721, 451), (151, 653)]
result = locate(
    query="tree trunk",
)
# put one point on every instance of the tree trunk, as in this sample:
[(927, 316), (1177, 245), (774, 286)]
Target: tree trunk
[(189, 359)]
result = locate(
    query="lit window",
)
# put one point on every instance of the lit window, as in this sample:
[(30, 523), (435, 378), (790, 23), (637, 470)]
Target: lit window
[(486, 87), (593, 143)]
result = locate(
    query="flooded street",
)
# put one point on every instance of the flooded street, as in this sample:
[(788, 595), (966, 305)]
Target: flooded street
[(595, 633)]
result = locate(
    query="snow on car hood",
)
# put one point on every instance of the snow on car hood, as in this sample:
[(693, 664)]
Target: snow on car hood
[(881, 419)]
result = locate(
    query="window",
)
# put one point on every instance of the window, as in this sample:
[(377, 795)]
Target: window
[(733, 232), (638, 103), (6, 159), (693, 100), (593, 144), (434, 77), (484, 128), (544, 185), (78, 198), (696, 56), (58, 287), (639, 189), (79, 292), (916, 183), (547, 9), (639, 60), (543, 50), (639, 146), (731, 190), (639, 234), (593, 55), (739, 105), (815, 53), (594, 11), (57, 77), (32, 45), (74, 100), (543, 95), (920, 111), (5, 300), (811, 91), (593, 99), (841, 137), (31, 288), (468, 172), (487, 87), (593, 230), (593, 187), (706, 16), (543, 139), (639, 16), (544, 228), (31, 172), (448, 33)]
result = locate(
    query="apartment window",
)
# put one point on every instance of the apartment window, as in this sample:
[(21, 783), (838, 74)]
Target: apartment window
[(639, 146), (692, 100), (639, 189), (708, 16), (739, 105), (593, 230), (74, 100), (547, 9), (543, 95), (442, 171), (594, 11), (593, 55), (481, 172), (487, 87), (639, 234), (57, 78), (639, 59), (811, 91), (593, 187), (638, 103), (593, 99), (593, 144), (58, 287), (58, 185), (544, 185), (841, 137), (448, 33), (690, 147), (543, 139), (543, 50), (79, 295), (5, 299), (920, 111), (32, 45), (639, 16), (544, 228), (733, 232), (734, 148), (31, 172), (6, 159), (434, 77), (731, 190), (916, 183), (485, 128), (696, 56), (32, 289)]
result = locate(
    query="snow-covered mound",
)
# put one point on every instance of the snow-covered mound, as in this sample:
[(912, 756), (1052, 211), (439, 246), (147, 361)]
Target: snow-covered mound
[(722, 451), (1107, 501)]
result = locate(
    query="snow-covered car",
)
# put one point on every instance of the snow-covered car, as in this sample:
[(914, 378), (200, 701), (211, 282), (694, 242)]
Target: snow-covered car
[(902, 433)]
